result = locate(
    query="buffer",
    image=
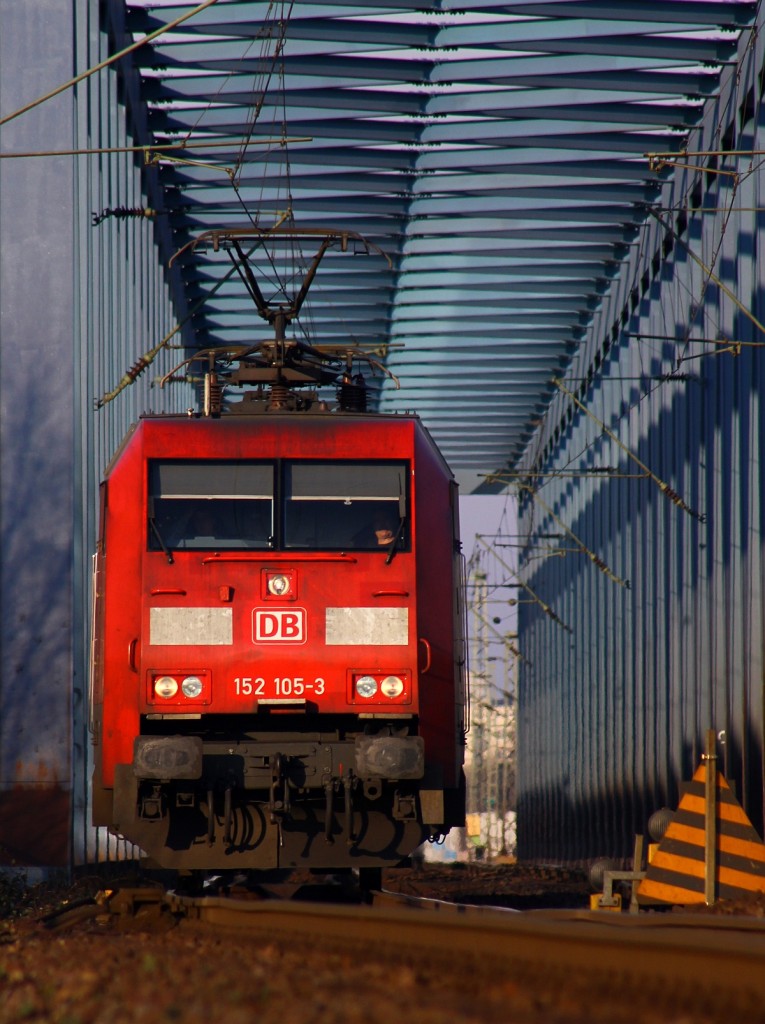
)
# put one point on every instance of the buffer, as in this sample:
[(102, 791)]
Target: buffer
[(710, 850)]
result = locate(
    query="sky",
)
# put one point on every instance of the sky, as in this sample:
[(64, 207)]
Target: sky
[(485, 514), (494, 518)]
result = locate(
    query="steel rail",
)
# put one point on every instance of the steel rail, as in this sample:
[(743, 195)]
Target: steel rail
[(692, 964), (699, 964)]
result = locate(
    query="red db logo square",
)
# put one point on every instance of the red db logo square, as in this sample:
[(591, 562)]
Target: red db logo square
[(279, 627)]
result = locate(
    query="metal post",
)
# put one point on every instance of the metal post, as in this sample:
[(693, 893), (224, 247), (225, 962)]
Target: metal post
[(476, 769), (710, 818), (637, 873)]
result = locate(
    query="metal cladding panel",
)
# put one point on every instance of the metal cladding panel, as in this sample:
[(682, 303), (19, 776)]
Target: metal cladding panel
[(80, 304), (618, 685), (37, 457)]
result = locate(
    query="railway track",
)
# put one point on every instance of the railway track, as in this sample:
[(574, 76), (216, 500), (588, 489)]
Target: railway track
[(703, 968)]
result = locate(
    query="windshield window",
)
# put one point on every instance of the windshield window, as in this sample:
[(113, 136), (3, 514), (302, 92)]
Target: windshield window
[(215, 505), (207, 505), (337, 506)]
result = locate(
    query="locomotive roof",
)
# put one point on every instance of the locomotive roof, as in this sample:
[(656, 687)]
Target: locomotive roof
[(232, 422)]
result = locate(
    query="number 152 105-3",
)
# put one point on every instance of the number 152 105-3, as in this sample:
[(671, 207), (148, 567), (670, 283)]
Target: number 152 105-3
[(280, 686)]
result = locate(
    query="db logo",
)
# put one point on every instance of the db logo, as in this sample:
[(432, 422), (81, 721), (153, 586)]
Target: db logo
[(284, 627)]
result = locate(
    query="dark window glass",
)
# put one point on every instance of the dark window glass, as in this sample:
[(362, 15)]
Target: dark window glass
[(345, 506), (214, 505), (210, 505)]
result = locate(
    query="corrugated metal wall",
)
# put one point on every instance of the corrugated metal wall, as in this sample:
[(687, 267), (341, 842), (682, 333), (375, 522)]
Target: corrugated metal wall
[(79, 305), (615, 698)]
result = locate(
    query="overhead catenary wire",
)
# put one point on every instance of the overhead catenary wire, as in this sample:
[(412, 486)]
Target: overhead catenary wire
[(145, 361), (499, 636), (723, 346), (271, 61), (154, 147), (655, 382), (282, 21), (537, 599), (491, 742), (510, 476), (708, 270), (661, 484), (106, 63), (596, 560)]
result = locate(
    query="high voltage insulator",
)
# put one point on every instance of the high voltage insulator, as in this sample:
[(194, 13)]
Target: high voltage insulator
[(122, 213)]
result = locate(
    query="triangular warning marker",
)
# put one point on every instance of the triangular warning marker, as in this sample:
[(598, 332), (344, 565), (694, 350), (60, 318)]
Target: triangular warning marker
[(677, 871)]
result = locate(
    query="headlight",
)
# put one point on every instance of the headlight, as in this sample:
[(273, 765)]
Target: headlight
[(392, 686), (165, 687), (279, 585), (366, 686), (191, 687)]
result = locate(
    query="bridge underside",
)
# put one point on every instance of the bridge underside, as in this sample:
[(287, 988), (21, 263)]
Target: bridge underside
[(496, 160)]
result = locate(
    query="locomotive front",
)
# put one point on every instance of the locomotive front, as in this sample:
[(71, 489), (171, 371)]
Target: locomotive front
[(278, 655)]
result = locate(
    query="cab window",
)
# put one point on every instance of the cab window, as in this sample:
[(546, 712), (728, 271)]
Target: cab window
[(210, 505), (345, 505), (290, 504)]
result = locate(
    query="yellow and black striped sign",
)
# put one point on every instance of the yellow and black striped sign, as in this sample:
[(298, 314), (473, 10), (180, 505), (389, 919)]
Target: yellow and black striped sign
[(676, 873)]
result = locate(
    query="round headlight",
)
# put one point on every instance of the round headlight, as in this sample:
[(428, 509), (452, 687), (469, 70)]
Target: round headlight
[(366, 686), (191, 686), (278, 585), (392, 686), (165, 687)]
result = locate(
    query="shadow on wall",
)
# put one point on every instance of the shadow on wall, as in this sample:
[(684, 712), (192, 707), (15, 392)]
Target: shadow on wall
[(553, 825), (647, 670), (37, 684)]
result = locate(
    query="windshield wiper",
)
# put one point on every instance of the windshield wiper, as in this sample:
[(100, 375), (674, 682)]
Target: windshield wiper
[(395, 542), (157, 534)]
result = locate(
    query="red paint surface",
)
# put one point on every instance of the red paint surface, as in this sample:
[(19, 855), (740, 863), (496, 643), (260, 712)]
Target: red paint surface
[(134, 580)]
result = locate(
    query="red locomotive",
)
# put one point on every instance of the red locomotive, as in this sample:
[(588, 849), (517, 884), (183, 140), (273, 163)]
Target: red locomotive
[(278, 650)]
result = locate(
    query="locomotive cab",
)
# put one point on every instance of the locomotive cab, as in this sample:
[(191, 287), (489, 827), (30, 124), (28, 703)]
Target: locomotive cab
[(278, 674)]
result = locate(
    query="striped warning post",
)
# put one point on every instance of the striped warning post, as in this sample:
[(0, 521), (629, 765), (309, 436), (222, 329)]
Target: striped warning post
[(676, 873)]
